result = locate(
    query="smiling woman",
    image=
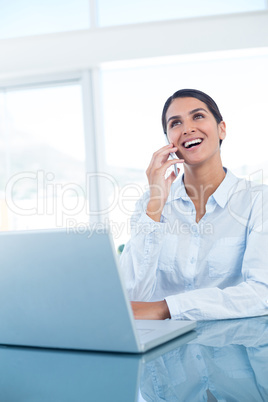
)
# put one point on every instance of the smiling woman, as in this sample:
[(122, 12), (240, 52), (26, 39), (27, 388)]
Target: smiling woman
[(198, 245)]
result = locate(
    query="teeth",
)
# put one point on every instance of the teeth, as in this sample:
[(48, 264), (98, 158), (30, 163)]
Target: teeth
[(197, 141)]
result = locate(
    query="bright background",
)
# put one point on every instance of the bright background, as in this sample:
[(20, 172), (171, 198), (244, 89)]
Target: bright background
[(82, 86)]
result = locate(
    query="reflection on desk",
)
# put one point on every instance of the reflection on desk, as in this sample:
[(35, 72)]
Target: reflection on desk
[(47, 375), (222, 360), (228, 361)]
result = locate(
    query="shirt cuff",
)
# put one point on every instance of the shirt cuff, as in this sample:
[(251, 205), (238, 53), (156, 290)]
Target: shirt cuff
[(172, 302)]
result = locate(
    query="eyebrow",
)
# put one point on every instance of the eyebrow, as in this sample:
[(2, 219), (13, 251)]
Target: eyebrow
[(191, 112)]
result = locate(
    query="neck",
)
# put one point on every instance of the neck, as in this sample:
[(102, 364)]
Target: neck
[(202, 180)]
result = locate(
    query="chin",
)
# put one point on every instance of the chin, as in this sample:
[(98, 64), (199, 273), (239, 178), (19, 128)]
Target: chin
[(193, 163)]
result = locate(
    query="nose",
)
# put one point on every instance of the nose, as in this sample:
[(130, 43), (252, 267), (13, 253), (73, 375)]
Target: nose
[(188, 128)]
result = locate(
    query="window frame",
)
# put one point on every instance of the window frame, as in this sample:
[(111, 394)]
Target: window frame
[(89, 81)]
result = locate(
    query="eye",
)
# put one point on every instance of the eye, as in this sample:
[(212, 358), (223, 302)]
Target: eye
[(198, 116), (175, 123)]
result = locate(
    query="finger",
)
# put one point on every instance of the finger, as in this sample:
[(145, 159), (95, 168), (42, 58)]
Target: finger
[(166, 150), (170, 162), (163, 169), (166, 147), (161, 155)]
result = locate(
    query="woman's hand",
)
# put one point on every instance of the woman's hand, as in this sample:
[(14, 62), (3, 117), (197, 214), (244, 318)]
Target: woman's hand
[(159, 185), (150, 310)]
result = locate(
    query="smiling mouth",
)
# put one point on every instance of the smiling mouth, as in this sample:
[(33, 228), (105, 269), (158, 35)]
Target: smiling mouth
[(193, 143)]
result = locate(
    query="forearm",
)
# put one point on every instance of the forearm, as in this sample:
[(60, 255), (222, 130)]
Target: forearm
[(204, 304), (150, 310), (139, 260), (244, 300), (140, 270), (154, 210)]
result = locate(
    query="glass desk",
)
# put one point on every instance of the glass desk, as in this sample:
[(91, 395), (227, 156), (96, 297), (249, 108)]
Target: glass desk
[(219, 361)]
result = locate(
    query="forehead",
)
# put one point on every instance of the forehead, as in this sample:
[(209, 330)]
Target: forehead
[(182, 106)]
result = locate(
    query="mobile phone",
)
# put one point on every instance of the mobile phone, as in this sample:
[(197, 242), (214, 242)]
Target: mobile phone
[(173, 156)]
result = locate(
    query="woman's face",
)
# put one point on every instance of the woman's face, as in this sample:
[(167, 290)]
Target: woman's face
[(192, 128)]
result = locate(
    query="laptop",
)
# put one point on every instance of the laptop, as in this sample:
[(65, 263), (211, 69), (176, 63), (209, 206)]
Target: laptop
[(63, 289)]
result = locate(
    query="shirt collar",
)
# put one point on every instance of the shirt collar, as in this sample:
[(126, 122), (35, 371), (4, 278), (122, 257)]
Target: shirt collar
[(220, 196), (223, 192)]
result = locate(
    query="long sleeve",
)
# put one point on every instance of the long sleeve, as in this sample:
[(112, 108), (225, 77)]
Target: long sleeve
[(139, 260)]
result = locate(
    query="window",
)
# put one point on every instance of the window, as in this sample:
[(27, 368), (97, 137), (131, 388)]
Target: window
[(118, 12), (35, 17), (42, 167)]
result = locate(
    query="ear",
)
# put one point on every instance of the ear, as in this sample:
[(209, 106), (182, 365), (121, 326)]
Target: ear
[(222, 130)]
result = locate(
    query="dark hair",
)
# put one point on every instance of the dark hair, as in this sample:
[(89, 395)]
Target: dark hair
[(192, 93)]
